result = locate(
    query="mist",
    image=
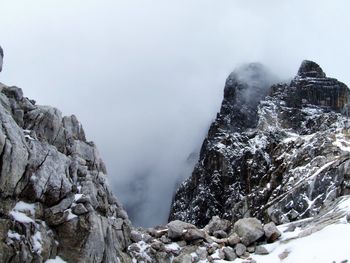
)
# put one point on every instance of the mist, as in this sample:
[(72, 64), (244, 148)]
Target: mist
[(146, 78)]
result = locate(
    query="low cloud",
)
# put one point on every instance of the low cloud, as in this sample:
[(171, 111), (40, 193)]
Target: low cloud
[(146, 78)]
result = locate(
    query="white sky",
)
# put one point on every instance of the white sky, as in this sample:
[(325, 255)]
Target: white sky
[(146, 77)]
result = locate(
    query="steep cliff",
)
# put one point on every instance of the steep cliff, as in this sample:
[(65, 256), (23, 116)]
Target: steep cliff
[(277, 152), (55, 201)]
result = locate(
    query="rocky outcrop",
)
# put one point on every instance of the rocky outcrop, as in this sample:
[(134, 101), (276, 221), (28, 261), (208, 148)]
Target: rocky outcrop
[(275, 152), (55, 201)]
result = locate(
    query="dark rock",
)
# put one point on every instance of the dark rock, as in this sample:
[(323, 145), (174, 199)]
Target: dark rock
[(165, 239), (79, 209), (159, 246), (1, 58), (230, 254), (310, 69), (220, 234), (194, 234)]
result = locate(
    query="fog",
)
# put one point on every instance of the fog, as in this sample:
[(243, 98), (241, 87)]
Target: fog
[(146, 78)]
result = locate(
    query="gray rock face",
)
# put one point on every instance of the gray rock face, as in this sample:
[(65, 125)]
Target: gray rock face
[(53, 191), (275, 152), (249, 230)]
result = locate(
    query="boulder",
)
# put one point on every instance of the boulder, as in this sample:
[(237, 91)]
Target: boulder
[(176, 229), (240, 249), (194, 234), (233, 239), (249, 230), (230, 254), (217, 224), (271, 232)]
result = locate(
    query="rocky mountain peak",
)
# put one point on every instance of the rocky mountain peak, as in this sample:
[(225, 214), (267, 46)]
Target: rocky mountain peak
[(280, 159), (310, 69), (248, 84), (244, 89)]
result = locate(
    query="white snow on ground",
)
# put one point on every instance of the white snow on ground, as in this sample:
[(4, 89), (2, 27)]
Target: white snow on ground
[(19, 212), (331, 244), (36, 238), (55, 260), (172, 247), (342, 142), (21, 217), (13, 235), (23, 207), (325, 246)]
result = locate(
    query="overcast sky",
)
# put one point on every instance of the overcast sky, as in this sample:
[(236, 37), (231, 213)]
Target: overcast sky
[(146, 77)]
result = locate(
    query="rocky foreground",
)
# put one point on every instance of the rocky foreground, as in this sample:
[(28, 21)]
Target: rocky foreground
[(53, 190), (275, 155)]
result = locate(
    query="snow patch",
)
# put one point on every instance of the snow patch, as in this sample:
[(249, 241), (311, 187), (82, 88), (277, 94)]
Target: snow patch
[(21, 217), (13, 235), (172, 247), (36, 238), (25, 207), (56, 260)]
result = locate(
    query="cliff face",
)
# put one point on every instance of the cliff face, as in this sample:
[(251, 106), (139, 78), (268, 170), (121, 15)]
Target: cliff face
[(276, 152), (54, 197)]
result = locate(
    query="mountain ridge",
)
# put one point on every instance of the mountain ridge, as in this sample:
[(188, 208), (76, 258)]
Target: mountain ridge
[(241, 152), (276, 153)]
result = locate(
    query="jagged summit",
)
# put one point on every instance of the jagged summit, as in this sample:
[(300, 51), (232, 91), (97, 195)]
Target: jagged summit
[(310, 69), (248, 84), (280, 159)]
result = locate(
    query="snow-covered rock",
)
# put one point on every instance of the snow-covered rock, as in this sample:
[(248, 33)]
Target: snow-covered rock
[(276, 152)]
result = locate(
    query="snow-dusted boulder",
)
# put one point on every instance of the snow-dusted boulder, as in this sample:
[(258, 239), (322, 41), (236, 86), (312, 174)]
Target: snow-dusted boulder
[(249, 230)]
